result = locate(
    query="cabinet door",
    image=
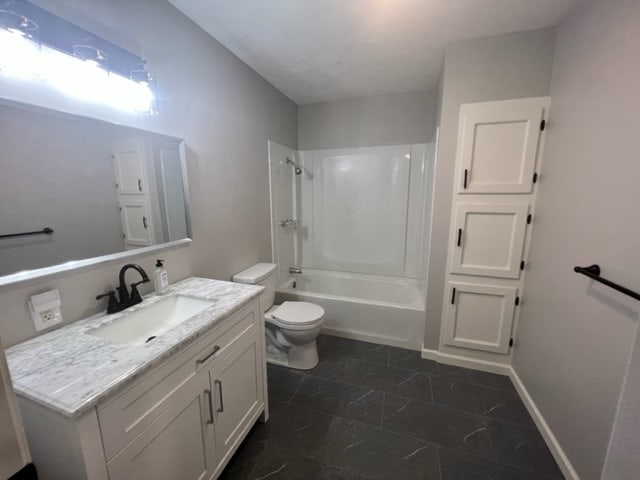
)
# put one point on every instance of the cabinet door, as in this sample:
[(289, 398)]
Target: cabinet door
[(238, 395), (136, 221), (129, 164), (178, 444), (489, 239), (498, 145), (480, 316)]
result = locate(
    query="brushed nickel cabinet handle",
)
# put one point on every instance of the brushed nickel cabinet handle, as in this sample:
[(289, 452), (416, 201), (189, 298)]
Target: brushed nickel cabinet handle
[(216, 348), (208, 394), (219, 383)]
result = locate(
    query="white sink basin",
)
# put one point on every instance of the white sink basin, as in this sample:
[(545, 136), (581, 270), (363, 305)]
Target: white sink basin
[(143, 325)]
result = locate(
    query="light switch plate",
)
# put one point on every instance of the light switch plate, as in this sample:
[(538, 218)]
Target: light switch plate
[(45, 309)]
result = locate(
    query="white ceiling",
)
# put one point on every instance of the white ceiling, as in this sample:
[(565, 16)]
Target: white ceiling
[(320, 50)]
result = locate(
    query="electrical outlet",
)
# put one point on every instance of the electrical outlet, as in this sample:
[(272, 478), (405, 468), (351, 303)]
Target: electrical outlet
[(47, 315), (45, 309)]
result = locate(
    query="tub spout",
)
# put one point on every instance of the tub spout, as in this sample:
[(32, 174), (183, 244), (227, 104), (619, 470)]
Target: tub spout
[(295, 270)]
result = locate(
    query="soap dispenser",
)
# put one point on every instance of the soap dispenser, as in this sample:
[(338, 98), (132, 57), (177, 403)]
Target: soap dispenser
[(162, 279)]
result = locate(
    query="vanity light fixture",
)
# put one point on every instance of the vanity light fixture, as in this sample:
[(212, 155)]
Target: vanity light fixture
[(19, 46), (82, 70)]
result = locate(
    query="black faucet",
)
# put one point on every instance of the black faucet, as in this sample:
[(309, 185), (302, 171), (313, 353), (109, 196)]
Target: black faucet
[(126, 299)]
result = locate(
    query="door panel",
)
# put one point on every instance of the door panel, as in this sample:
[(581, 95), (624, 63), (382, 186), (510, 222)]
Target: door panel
[(480, 316), (238, 396), (136, 221), (178, 444), (497, 147), (489, 239), (128, 160)]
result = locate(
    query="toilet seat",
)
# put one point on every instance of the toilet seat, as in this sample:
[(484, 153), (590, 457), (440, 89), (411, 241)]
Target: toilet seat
[(296, 315)]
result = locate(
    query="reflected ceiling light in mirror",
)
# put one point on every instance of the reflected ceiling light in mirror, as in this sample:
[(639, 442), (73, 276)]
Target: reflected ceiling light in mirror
[(84, 75), (20, 49)]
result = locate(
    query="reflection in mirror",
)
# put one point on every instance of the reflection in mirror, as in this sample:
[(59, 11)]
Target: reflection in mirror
[(101, 188)]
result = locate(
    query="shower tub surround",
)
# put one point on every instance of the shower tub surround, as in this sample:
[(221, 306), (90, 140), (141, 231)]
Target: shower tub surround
[(377, 309), (357, 222)]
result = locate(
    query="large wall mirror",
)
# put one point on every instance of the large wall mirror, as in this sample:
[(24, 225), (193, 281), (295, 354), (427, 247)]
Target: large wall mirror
[(75, 188)]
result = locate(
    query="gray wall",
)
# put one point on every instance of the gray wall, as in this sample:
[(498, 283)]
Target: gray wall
[(497, 68), (223, 110), (396, 119), (575, 337), (623, 461)]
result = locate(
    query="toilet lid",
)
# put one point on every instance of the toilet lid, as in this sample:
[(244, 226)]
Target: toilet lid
[(298, 313)]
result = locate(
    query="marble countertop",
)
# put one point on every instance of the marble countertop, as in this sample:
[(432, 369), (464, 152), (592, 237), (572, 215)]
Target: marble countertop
[(70, 371)]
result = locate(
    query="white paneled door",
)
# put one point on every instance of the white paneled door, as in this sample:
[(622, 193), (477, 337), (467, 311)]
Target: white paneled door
[(480, 316), (130, 159), (134, 213), (497, 168), (129, 164), (178, 444), (489, 239), (237, 395), (498, 146)]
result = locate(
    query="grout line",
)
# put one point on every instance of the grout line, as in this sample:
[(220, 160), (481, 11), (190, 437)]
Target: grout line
[(404, 435), (297, 388), (439, 463), (258, 460), (433, 397), (359, 422), (500, 420)]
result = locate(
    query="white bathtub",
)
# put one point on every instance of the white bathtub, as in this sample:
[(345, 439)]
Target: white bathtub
[(377, 309)]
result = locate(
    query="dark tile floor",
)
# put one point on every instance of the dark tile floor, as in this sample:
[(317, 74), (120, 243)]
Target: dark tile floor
[(376, 412)]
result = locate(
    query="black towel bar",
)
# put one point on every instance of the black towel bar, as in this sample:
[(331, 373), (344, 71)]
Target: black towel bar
[(593, 272), (44, 231)]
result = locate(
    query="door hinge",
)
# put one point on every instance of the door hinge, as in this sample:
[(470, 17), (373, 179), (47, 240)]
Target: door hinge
[(529, 217), (535, 177), (543, 125), (517, 301), (511, 342), (522, 265), (453, 296)]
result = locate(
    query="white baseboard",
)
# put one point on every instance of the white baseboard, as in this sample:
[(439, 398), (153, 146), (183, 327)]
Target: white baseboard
[(460, 361), (543, 427), (545, 430), (365, 337)]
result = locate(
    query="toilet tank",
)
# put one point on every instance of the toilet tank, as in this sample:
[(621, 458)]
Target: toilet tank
[(261, 274)]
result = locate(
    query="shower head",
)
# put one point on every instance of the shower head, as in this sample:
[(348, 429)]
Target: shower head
[(297, 168)]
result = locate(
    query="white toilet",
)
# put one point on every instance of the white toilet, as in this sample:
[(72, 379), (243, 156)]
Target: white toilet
[(291, 328)]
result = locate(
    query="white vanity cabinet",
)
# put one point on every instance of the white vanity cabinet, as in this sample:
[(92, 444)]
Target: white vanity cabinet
[(183, 419), (237, 397), (178, 444)]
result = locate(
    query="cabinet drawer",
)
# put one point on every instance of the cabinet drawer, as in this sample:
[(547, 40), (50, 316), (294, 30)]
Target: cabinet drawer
[(126, 415)]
